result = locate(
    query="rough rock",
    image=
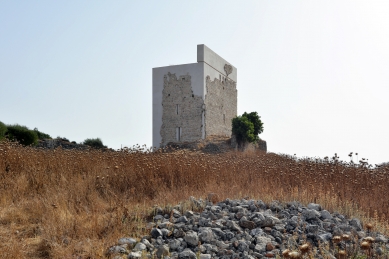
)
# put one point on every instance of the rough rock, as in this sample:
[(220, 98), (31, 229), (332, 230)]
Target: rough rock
[(356, 223), (162, 251), (314, 206), (241, 229), (139, 247), (324, 214), (187, 254), (127, 240), (155, 232), (192, 238), (311, 214), (133, 255)]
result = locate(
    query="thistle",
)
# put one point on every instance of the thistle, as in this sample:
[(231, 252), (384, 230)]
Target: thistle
[(304, 248), (294, 255)]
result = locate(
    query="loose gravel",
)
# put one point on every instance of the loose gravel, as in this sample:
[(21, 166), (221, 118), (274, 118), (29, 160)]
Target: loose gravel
[(247, 229)]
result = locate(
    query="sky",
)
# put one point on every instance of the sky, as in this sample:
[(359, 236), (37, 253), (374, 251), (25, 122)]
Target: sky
[(317, 72)]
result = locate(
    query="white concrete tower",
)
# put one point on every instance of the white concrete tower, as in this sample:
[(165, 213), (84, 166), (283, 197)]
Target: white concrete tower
[(194, 101)]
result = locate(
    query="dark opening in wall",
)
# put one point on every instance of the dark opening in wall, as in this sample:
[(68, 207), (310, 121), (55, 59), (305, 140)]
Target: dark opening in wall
[(178, 133)]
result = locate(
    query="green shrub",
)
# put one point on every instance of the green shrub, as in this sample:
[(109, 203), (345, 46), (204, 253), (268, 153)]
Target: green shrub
[(243, 129), (42, 135), (94, 142), (3, 130), (247, 127), (22, 134), (256, 120)]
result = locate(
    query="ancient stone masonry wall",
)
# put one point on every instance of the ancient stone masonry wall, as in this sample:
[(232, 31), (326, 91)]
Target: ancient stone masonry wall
[(220, 106), (181, 108)]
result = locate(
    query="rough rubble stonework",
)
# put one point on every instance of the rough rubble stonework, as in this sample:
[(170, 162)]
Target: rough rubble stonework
[(56, 143), (178, 91), (247, 146), (220, 106)]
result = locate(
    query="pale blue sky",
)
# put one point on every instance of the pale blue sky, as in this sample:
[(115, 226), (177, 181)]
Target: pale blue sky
[(316, 72)]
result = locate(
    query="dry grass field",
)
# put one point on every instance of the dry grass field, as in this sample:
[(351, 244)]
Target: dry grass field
[(75, 204)]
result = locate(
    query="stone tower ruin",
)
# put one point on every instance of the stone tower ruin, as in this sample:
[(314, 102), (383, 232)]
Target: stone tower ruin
[(194, 101)]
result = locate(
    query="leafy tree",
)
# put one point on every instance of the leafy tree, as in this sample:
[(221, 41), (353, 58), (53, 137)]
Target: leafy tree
[(256, 120), (22, 134), (243, 129), (3, 130), (42, 135), (94, 142), (247, 127)]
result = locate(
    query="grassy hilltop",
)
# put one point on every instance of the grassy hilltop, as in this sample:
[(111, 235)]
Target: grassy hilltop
[(62, 203)]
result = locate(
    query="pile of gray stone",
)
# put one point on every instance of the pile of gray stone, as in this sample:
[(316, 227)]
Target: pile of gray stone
[(241, 229), (60, 142)]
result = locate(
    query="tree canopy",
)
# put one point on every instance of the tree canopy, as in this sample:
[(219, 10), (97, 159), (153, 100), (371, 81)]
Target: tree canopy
[(42, 135), (247, 127), (94, 142), (22, 134), (255, 119), (3, 130)]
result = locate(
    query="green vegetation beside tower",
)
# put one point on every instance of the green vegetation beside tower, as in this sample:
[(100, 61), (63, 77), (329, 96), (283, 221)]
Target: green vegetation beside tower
[(3, 130), (27, 137), (256, 121), (22, 134), (94, 142), (42, 135), (247, 127)]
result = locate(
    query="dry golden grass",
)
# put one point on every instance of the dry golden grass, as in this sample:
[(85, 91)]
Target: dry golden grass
[(75, 204)]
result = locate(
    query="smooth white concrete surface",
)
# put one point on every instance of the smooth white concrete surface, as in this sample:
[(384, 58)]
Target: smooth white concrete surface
[(205, 54)]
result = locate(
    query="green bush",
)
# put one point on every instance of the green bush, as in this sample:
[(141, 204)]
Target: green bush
[(22, 134), (256, 121), (3, 130), (94, 142), (243, 129), (247, 127), (42, 135)]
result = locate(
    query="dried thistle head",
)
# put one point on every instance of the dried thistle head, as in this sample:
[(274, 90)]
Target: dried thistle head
[(294, 255), (336, 239), (285, 253), (304, 248), (365, 245), (369, 226), (342, 254), (369, 239)]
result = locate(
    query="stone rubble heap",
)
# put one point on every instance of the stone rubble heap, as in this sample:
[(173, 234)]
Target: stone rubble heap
[(240, 229)]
